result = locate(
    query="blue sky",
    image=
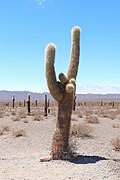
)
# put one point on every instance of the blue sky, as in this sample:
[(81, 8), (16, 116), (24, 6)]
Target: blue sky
[(27, 26)]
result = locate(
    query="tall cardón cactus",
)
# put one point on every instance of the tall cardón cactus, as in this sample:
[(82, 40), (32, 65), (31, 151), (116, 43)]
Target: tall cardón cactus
[(63, 91)]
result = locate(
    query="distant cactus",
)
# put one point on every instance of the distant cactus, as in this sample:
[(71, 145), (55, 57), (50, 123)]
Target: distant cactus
[(13, 101), (113, 104), (36, 103), (63, 92), (45, 105), (28, 103), (101, 103)]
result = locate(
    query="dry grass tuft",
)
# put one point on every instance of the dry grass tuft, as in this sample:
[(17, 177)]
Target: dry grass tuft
[(81, 130), (1, 114), (92, 120), (25, 120), (116, 125), (18, 133), (4, 128), (16, 118), (37, 118), (13, 113), (116, 144), (22, 114)]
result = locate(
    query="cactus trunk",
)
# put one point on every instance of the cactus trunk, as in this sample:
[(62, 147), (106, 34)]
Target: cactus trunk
[(60, 146)]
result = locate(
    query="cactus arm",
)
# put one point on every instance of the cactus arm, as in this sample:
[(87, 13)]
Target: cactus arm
[(52, 83), (75, 52)]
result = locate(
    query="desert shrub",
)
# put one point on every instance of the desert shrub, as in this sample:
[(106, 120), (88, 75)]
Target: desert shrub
[(3, 128), (18, 133), (73, 119), (81, 130), (16, 118), (116, 144), (22, 114), (79, 115), (112, 116), (37, 118), (92, 120), (25, 120), (1, 131), (116, 125), (13, 113), (1, 114)]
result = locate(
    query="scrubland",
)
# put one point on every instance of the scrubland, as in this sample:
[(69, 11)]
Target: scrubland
[(94, 141)]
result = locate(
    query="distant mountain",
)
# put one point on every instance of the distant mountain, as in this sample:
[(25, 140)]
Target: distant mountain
[(21, 95)]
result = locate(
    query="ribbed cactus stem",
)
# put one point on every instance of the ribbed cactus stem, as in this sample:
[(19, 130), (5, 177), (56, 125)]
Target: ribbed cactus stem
[(74, 103), (75, 52), (53, 85)]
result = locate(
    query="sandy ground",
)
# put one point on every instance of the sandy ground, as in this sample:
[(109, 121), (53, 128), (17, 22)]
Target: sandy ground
[(20, 156)]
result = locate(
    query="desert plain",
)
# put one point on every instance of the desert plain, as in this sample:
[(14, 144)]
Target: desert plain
[(26, 138)]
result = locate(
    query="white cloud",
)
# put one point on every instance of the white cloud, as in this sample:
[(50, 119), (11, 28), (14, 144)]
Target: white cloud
[(40, 2), (99, 89)]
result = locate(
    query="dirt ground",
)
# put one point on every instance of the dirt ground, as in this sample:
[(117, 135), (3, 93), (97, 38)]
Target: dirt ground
[(94, 137)]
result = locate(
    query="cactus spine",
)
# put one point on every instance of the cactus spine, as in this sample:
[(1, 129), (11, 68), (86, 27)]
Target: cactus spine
[(13, 101), (28, 103), (63, 92)]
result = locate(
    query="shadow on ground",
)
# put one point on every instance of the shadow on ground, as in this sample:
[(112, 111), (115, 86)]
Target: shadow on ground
[(79, 159)]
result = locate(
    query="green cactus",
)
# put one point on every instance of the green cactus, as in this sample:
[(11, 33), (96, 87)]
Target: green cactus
[(63, 92)]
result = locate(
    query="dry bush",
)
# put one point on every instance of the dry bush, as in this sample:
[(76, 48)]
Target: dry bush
[(1, 131), (116, 125), (37, 118), (79, 115), (116, 144), (13, 113), (25, 120), (22, 114), (81, 130), (1, 114), (88, 113), (117, 112), (112, 116), (16, 118), (18, 133), (92, 120), (73, 119), (3, 128)]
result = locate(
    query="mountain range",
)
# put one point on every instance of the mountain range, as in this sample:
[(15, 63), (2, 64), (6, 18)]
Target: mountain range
[(22, 95)]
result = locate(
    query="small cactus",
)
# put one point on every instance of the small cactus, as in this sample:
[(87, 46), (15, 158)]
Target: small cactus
[(63, 91), (113, 104), (45, 105), (13, 101), (36, 103), (28, 103)]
